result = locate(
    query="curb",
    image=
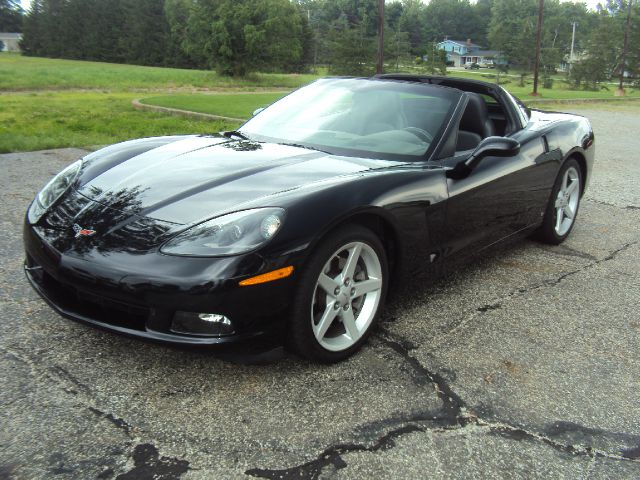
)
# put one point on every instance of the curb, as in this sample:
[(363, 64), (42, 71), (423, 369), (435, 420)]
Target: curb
[(579, 100), (138, 105)]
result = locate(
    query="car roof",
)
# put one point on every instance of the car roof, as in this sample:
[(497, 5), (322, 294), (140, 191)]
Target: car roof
[(465, 84)]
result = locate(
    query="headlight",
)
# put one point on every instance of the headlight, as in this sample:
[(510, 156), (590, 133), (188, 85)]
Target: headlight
[(231, 234), (53, 190)]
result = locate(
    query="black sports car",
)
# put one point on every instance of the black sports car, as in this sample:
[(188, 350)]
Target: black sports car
[(292, 228)]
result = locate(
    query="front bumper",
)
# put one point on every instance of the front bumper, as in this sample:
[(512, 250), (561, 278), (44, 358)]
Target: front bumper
[(138, 295)]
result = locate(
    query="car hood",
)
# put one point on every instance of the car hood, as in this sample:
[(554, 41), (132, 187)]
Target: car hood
[(197, 178)]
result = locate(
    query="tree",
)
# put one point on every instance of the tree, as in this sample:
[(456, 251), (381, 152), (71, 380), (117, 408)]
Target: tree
[(145, 32), (242, 36), (410, 22), (436, 60), (601, 58), (512, 30), (11, 14), (453, 18), (397, 47), (352, 50), (33, 30)]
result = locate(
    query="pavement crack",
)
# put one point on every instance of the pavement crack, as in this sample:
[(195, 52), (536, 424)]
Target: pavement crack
[(453, 411), (519, 434), (607, 204), (149, 464), (118, 422), (492, 306), (520, 291), (564, 250), (555, 281), (332, 456), (53, 373), (631, 453), (452, 415)]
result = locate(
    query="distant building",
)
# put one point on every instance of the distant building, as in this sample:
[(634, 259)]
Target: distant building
[(11, 41), (460, 52)]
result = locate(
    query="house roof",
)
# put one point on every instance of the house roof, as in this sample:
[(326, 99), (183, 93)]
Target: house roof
[(8, 36), (461, 43), (486, 53)]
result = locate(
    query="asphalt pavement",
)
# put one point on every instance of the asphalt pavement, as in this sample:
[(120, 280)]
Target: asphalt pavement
[(522, 364)]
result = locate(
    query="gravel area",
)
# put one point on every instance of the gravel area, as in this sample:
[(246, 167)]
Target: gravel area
[(523, 364)]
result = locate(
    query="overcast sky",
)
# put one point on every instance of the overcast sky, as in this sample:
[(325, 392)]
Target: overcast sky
[(590, 3)]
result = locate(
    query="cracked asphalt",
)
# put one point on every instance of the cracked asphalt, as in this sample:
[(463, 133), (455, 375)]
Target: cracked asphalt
[(522, 364)]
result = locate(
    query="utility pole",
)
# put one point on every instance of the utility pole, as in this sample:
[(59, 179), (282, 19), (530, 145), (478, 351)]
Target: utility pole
[(625, 46), (536, 65), (573, 41), (380, 36)]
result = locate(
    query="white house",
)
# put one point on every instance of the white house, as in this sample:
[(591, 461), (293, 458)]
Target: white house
[(11, 41), (461, 52)]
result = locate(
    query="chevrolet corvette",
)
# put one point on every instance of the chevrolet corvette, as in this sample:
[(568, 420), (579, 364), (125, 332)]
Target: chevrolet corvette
[(291, 229)]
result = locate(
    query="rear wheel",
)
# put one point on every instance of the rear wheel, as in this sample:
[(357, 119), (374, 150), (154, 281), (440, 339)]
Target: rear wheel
[(341, 294), (562, 210)]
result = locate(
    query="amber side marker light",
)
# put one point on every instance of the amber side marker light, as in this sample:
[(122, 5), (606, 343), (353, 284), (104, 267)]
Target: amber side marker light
[(267, 277)]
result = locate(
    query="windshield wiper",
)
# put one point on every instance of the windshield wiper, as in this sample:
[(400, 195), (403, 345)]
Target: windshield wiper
[(235, 133)]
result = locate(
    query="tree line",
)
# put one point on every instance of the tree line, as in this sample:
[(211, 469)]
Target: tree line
[(240, 36)]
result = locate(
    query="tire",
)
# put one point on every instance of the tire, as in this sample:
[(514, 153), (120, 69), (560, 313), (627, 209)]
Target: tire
[(564, 201), (329, 319)]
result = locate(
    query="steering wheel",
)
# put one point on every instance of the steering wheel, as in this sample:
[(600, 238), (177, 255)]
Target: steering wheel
[(420, 133)]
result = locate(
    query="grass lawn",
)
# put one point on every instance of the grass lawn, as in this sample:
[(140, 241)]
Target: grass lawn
[(37, 121), (48, 103), (18, 73), (239, 105)]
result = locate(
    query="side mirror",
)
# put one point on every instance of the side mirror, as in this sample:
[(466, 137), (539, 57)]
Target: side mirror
[(257, 111), (489, 147)]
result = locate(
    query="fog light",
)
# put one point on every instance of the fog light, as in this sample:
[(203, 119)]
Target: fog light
[(202, 324)]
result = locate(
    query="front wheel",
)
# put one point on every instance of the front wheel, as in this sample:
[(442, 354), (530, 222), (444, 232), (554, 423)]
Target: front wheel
[(561, 212), (341, 294)]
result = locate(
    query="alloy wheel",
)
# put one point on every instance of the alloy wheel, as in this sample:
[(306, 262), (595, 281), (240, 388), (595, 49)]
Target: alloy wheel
[(346, 296), (566, 204)]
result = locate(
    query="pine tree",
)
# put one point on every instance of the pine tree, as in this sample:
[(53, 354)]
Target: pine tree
[(10, 16)]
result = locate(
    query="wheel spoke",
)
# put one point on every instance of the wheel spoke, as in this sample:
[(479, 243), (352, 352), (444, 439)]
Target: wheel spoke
[(565, 180), (328, 284), (326, 320), (367, 286), (572, 187), (559, 215), (352, 261), (569, 212), (349, 322)]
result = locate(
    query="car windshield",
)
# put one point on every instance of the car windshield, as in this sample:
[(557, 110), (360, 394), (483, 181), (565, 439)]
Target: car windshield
[(358, 117)]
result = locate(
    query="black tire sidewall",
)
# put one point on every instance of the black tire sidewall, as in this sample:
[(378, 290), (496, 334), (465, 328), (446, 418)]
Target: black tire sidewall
[(300, 336), (547, 231)]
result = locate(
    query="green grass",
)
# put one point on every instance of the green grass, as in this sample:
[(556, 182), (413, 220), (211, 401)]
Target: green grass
[(234, 105), (47, 103), (38, 121), (18, 73)]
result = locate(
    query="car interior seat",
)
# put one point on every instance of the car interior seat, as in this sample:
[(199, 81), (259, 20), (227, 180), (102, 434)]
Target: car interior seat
[(475, 123)]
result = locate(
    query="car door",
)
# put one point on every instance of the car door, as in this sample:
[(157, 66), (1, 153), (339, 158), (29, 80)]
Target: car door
[(501, 196)]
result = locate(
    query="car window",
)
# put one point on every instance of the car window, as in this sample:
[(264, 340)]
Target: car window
[(489, 99), (359, 117)]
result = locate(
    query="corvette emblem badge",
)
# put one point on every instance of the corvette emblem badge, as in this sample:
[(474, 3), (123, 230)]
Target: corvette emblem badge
[(82, 232)]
